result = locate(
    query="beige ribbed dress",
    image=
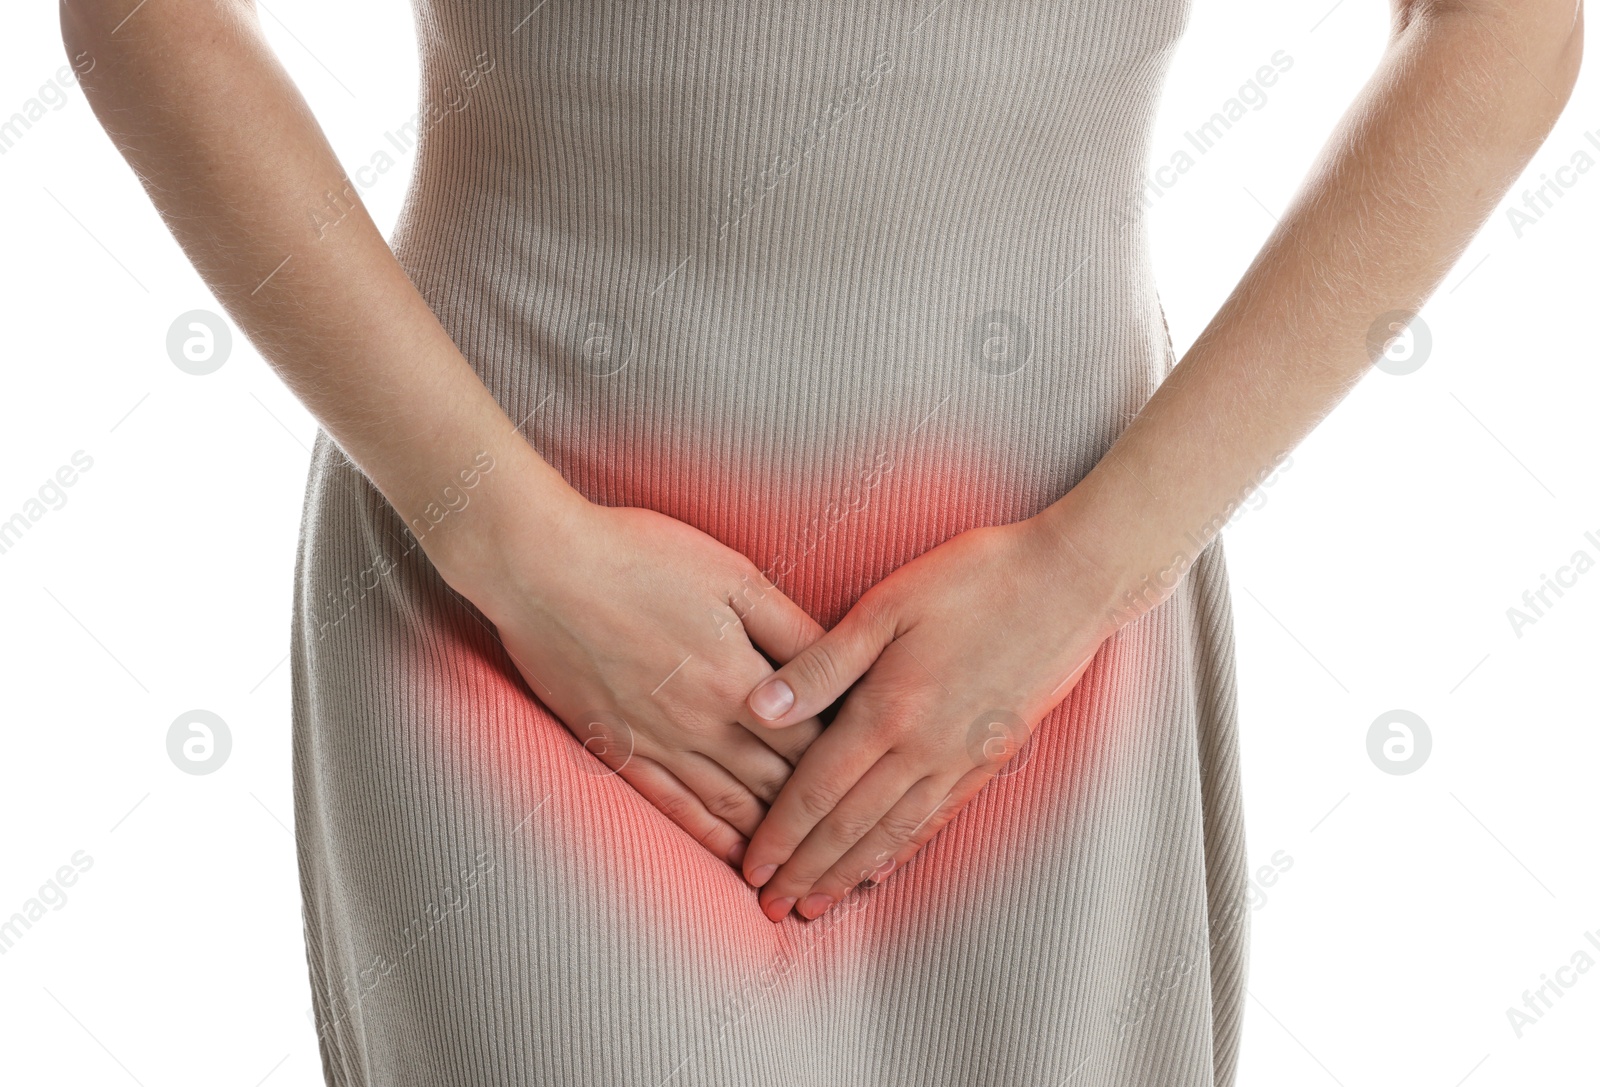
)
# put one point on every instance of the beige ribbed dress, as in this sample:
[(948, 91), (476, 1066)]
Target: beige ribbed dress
[(833, 281)]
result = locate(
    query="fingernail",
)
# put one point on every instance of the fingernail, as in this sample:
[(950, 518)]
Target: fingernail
[(759, 877), (815, 904), (773, 700), (736, 854), (779, 909)]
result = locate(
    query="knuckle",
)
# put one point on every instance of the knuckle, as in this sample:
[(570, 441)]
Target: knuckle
[(900, 729), (685, 720), (879, 606), (793, 742), (899, 829), (798, 749), (745, 585), (717, 840), (729, 686), (816, 804), (814, 670), (728, 800), (741, 570), (674, 805), (804, 734), (848, 829), (768, 785)]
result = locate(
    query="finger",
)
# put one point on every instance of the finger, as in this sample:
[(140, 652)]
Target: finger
[(790, 743), (823, 671), (841, 756), (948, 809), (724, 795), (757, 767), (674, 800), (878, 852), (862, 809), (777, 624)]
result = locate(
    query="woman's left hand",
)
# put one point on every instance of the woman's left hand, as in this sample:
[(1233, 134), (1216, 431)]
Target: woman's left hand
[(963, 651)]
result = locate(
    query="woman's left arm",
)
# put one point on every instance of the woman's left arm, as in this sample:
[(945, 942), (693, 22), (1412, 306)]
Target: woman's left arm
[(973, 642)]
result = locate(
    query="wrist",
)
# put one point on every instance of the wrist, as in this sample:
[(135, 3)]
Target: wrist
[(508, 496), (1115, 539)]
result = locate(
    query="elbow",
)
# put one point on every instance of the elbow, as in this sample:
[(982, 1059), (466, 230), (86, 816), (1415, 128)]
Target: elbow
[(85, 27), (1571, 50), (1553, 30), (128, 40), (89, 24), (76, 25), (90, 32), (98, 37), (1541, 37)]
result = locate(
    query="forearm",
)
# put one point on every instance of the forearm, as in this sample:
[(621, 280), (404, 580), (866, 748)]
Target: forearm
[(236, 164), (1451, 117)]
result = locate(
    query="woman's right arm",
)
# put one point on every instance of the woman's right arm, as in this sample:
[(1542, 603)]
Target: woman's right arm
[(234, 161), (236, 164)]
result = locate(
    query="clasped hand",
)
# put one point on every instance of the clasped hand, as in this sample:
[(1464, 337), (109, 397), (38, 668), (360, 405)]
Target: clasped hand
[(945, 667), (655, 645)]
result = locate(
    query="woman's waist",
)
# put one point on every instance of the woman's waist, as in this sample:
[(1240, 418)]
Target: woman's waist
[(616, 380), (893, 250), (815, 330)]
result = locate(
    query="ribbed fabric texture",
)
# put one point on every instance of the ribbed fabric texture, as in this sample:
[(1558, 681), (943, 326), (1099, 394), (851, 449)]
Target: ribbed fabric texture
[(832, 281)]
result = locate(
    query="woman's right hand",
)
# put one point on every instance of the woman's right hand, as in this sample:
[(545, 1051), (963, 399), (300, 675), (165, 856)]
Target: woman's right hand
[(634, 615), (640, 633)]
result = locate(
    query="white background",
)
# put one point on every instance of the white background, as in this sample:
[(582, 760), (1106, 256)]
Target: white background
[(1374, 574)]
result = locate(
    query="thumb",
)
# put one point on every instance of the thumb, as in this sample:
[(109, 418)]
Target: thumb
[(821, 672), (778, 626)]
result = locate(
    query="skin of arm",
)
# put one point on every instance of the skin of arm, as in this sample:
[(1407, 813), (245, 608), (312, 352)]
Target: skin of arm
[(997, 624), (235, 163)]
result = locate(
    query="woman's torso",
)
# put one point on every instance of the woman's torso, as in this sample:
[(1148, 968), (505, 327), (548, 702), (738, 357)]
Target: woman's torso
[(831, 281)]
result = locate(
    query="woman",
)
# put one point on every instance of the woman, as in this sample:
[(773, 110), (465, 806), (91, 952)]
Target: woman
[(731, 467)]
